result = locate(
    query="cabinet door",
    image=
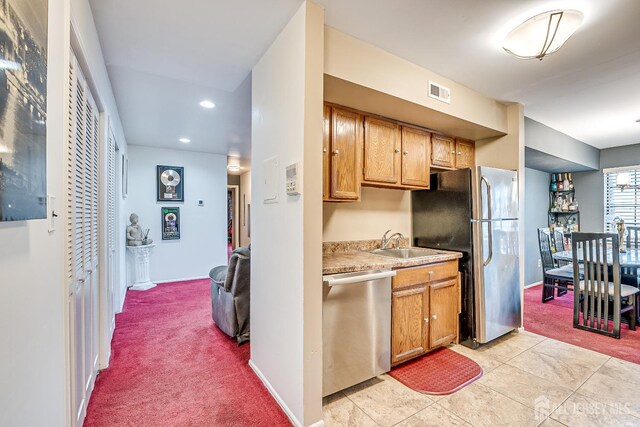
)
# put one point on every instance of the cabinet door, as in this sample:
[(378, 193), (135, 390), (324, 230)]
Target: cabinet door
[(326, 146), (416, 146), (465, 154), (409, 317), (442, 150), (443, 309), (346, 149), (381, 151)]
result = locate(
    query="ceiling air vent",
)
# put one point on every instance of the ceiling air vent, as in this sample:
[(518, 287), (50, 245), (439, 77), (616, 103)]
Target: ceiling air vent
[(439, 92)]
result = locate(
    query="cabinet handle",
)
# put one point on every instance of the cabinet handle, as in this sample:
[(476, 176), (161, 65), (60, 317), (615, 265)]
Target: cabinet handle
[(434, 317), (324, 150), (430, 274), (459, 153), (336, 152), (426, 320), (405, 152), (453, 151), (397, 150)]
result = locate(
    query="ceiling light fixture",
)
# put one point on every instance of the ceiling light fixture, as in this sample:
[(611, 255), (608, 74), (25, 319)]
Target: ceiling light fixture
[(184, 140), (542, 34), (207, 104), (233, 164)]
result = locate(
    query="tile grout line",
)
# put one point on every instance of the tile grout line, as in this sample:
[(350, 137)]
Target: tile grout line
[(576, 391), (431, 402)]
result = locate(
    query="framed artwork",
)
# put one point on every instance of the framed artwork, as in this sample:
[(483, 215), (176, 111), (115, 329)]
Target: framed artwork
[(170, 183), (170, 223), (23, 110)]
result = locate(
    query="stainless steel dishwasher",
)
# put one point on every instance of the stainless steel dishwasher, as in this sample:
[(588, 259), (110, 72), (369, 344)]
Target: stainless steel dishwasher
[(356, 322)]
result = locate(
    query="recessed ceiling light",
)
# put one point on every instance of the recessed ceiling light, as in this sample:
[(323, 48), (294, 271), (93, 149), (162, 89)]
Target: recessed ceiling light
[(233, 168), (207, 104), (185, 140)]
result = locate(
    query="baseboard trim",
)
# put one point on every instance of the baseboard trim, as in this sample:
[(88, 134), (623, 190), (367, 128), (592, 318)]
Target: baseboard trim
[(180, 280), (533, 284), (277, 397)]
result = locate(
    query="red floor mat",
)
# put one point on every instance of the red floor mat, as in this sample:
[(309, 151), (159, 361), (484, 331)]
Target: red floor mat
[(554, 319), (171, 366), (440, 372)]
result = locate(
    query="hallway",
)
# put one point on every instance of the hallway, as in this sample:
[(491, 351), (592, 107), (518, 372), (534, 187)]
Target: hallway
[(171, 366)]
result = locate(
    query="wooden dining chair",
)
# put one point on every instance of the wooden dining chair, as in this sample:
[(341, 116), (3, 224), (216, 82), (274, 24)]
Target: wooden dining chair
[(596, 293), (558, 245), (631, 275), (552, 277)]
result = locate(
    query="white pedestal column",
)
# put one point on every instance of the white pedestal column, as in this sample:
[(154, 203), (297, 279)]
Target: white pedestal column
[(141, 256)]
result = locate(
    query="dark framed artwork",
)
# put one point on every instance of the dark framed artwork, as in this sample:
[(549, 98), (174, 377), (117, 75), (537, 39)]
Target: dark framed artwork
[(170, 223), (23, 114), (170, 183)]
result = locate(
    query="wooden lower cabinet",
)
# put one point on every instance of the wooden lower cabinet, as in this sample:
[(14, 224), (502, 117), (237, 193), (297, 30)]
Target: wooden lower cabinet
[(409, 308), (424, 309), (443, 309)]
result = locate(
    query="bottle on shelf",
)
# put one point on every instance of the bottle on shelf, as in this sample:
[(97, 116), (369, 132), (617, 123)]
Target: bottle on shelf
[(560, 182), (554, 182), (565, 183), (570, 183)]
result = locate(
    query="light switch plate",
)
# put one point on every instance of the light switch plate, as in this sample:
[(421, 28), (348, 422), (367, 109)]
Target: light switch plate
[(271, 180), (51, 212)]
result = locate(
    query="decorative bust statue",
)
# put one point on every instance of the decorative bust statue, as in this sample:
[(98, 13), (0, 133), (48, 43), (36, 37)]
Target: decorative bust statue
[(136, 235)]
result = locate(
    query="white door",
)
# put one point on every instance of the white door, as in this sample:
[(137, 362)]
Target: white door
[(82, 162)]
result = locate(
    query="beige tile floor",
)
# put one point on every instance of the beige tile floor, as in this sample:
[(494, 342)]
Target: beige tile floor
[(528, 380)]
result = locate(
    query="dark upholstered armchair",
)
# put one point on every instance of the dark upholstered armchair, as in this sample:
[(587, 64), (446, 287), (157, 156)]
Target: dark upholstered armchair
[(230, 287)]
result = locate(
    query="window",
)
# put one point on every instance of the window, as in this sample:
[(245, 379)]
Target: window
[(621, 202)]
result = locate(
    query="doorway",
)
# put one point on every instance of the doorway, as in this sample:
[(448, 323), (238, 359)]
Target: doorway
[(233, 222)]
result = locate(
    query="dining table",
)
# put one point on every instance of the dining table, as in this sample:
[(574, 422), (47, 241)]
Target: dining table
[(630, 259)]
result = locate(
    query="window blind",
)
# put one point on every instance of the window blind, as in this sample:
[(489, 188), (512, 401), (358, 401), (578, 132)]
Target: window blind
[(623, 203)]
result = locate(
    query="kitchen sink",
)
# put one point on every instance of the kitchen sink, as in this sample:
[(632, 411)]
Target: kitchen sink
[(405, 253)]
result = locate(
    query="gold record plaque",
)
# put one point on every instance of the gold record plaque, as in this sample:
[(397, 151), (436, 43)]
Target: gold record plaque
[(170, 183)]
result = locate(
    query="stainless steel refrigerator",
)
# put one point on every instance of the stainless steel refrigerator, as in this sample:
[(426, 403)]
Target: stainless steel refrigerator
[(443, 218)]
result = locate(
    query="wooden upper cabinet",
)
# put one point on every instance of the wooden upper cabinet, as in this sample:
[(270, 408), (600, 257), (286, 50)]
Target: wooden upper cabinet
[(409, 332), (326, 147), (443, 310), (416, 148), (465, 154), (381, 151), (345, 154), (442, 151)]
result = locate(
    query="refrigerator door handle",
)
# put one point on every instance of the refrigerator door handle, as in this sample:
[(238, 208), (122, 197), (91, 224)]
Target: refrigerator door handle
[(490, 235)]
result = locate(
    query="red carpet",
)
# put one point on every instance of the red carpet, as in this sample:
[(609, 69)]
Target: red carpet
[(171, 366), (554, 319), (440, 372)]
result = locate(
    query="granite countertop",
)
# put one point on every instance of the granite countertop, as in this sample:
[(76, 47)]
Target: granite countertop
[(347, 257)]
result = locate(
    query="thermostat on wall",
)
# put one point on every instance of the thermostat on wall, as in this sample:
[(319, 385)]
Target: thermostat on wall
[(293, 179)]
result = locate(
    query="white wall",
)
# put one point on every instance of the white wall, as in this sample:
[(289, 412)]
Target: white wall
[(535, 216), (245, 208), (379, 210), (33, 370), (202, 243), (286, 263)]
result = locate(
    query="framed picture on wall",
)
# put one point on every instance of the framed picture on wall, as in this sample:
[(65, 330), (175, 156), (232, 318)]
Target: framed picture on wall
[(170, 183), (170, 223), (23, 110)]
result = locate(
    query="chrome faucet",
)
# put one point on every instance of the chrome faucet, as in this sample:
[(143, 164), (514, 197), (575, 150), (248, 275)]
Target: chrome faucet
[(384, 242)]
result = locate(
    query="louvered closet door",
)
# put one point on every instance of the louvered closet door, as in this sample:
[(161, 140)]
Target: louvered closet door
[(82, 165), (111, 225)]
